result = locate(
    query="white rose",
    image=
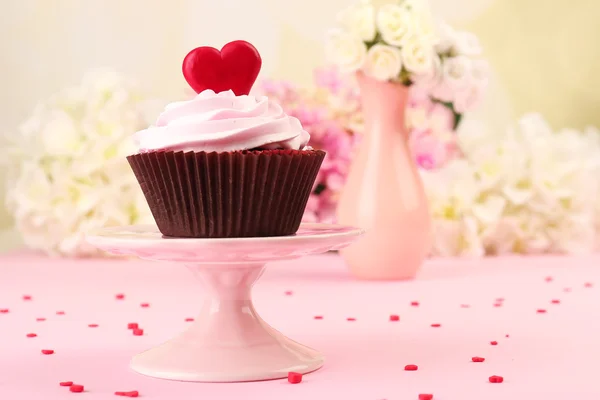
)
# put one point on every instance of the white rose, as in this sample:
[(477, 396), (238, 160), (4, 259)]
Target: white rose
[(418, 56), (359, 19), (395, 23), (345, 49), (60, 135), (446, 38), (383, 62), (466, 43), (456, 72)]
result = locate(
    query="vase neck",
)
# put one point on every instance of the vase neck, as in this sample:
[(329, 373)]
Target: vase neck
[(383, 103)]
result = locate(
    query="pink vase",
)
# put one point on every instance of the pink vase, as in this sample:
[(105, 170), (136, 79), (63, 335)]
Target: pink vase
[(384, 193)]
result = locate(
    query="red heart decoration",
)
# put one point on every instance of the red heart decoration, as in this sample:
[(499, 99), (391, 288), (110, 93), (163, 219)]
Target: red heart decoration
[(234, 68)]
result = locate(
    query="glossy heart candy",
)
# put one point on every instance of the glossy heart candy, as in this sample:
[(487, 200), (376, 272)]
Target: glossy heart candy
[(234, 68)]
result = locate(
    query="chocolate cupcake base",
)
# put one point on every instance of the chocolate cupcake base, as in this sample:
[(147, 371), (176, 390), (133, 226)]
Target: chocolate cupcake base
[(228, 194)]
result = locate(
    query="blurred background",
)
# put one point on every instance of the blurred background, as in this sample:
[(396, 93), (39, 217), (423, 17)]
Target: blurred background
[(544, 55)]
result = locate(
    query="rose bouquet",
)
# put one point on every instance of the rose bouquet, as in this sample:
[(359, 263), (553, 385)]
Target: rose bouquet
[(67, 171), (402, 43)]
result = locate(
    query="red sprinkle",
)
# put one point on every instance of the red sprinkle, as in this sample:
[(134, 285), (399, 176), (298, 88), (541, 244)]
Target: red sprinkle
[(67, 383), (47, 352), (425, 396), (41, 319), (189, 320), (411, 367), (350, 319), (132, 325), (414, 303), (549, 279), (318, 317), (120, 296), (60, 313), (31, 335), (145, 305), (496, 379), (541, 311), (464, 306), (288, 293), (394, 317), (588, 284), (133, 393), (507, 335), (555, 301), (436, 325), (93, 325), (3, 310), (294, 377), (76, 388), (493, 343), (500, 299), (497, 304), (27, 297), (138, 332), (477, 359)]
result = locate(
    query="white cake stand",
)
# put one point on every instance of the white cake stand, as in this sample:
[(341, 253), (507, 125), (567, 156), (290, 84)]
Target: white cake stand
[(228, 342)]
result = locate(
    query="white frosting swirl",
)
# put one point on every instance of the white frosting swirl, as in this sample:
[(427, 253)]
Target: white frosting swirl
[(223, 122)]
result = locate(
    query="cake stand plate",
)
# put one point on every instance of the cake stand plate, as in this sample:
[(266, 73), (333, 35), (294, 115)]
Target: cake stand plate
[(229, 341)]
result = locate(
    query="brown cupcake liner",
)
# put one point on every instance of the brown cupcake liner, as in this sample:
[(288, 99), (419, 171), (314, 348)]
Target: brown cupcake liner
[(229, 194)]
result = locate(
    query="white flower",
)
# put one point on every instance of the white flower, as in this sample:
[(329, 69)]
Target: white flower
[(383, 62), (446, 38), (359, 19), (71, 174), (395, 23), (345, 49), (466, 44), (418, 56), (456, 72)]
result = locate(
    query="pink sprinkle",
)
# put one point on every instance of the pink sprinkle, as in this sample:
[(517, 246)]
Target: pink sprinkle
[(4, 310), (541, 311), (477, 359), (189, 320), (567, 289), (414, 303), (493, 343), (350, 319), (120, 296), (288, 293), (411, 367), (507, 335), (31, 335), (145, 305), (588, 284), (40, 319), (464, 306), (496, 379), (555, 301), (500, 299), (60, 313), (318, 317), (133, 393), (436, 325), (294, 377), (497, 304), (47, 352), (93, 325), (549, 279), (138, 332), (394, 317), (27, 297)]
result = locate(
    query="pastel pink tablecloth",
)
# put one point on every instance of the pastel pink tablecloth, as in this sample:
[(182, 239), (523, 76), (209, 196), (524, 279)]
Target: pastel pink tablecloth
[(542, 356)]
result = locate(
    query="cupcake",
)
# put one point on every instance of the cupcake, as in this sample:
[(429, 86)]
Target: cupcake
[(225, 164)]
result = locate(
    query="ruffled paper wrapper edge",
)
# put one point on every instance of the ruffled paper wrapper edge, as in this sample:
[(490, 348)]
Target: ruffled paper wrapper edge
[(227, 194)]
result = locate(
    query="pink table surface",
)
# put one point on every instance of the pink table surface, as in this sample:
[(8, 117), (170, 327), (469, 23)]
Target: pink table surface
[(552, 355)]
